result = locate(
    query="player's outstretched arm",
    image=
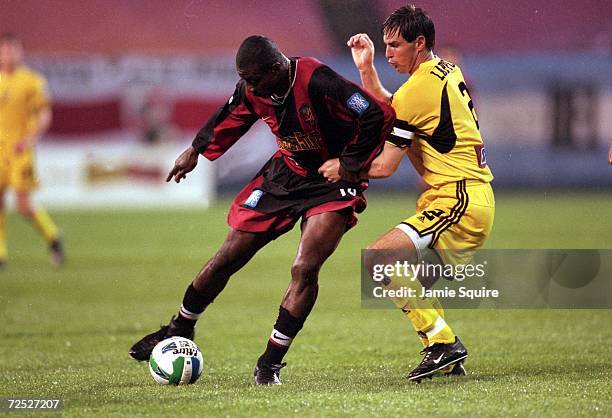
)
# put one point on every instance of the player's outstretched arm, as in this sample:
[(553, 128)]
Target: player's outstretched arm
[(184, 164), (362, 49)]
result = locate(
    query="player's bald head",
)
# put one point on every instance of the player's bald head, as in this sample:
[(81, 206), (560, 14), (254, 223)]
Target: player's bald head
[(258, 51)]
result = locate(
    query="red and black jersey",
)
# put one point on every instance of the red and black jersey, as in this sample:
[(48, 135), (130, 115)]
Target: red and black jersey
[(324, 116)]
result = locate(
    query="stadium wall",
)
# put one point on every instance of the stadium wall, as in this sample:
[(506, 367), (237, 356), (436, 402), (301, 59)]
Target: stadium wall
[(118, 173), (118, 27)]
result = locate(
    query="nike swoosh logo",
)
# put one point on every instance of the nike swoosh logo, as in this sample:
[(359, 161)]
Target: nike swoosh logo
[(438, 359), (280, 338)]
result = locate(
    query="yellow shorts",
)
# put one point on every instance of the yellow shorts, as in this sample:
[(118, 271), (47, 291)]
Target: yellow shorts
[(18, 172), (454, 220)]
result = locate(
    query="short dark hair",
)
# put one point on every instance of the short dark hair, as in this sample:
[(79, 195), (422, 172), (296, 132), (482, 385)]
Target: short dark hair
[(10, 37), (258, 50), (411, 22)]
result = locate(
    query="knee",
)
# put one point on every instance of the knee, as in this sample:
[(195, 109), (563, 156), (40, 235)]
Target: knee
[(305, 271), (377, 260), (374, 246), (370, 262), (374, 256), (23, 206)]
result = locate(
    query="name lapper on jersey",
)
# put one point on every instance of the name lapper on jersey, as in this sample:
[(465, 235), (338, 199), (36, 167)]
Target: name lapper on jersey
[(434, 109)]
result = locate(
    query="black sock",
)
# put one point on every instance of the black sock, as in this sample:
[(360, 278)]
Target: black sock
[(193, 305), (285, 329)]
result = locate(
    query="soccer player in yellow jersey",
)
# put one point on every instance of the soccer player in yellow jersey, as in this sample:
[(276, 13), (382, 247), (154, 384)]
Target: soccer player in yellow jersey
[(437, 128), (25, 114)]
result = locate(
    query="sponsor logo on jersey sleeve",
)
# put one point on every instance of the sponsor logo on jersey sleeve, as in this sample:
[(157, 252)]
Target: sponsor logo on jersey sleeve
[(357, 103)]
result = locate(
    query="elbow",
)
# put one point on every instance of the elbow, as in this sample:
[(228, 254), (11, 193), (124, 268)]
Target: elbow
[(387, 171), (381, 171)]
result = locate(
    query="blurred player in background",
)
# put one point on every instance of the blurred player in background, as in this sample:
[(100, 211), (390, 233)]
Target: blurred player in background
[(437, 128), (315, 114), (25, 115), (155, 118)]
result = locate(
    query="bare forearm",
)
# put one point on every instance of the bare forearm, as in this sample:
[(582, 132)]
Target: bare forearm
[(378, 170), (386, 163), (371, 82)]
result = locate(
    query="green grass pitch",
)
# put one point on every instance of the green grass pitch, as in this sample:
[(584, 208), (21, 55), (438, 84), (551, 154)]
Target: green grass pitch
[(65, 334)]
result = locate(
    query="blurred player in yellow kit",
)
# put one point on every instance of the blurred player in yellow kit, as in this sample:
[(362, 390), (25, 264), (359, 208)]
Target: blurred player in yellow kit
[(437, 128), (25, 115)]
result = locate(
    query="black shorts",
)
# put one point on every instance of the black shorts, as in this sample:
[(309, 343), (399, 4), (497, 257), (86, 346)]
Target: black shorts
[(277, 197)]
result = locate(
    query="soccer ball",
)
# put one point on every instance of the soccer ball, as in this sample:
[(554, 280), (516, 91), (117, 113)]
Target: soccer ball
[(176, 361)]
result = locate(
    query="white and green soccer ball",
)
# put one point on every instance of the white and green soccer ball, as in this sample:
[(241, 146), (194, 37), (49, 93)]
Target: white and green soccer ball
[(176, 361)]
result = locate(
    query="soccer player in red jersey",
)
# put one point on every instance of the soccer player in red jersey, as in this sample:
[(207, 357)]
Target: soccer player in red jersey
[(315, 115)]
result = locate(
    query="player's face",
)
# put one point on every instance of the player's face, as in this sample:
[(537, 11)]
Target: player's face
[(401, 54), (11, 54), (260, 82)]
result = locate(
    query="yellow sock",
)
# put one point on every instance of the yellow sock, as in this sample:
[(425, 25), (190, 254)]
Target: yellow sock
[(439, 332), (3, 250), (426, 314), (435, 302), (43, 223)]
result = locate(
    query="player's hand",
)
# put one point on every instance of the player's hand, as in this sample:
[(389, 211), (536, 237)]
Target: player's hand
[(331, 170), (362, 49), (185, 163)]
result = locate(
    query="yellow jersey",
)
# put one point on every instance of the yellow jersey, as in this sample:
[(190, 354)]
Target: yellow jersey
[(437, 120), (23, 94)]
